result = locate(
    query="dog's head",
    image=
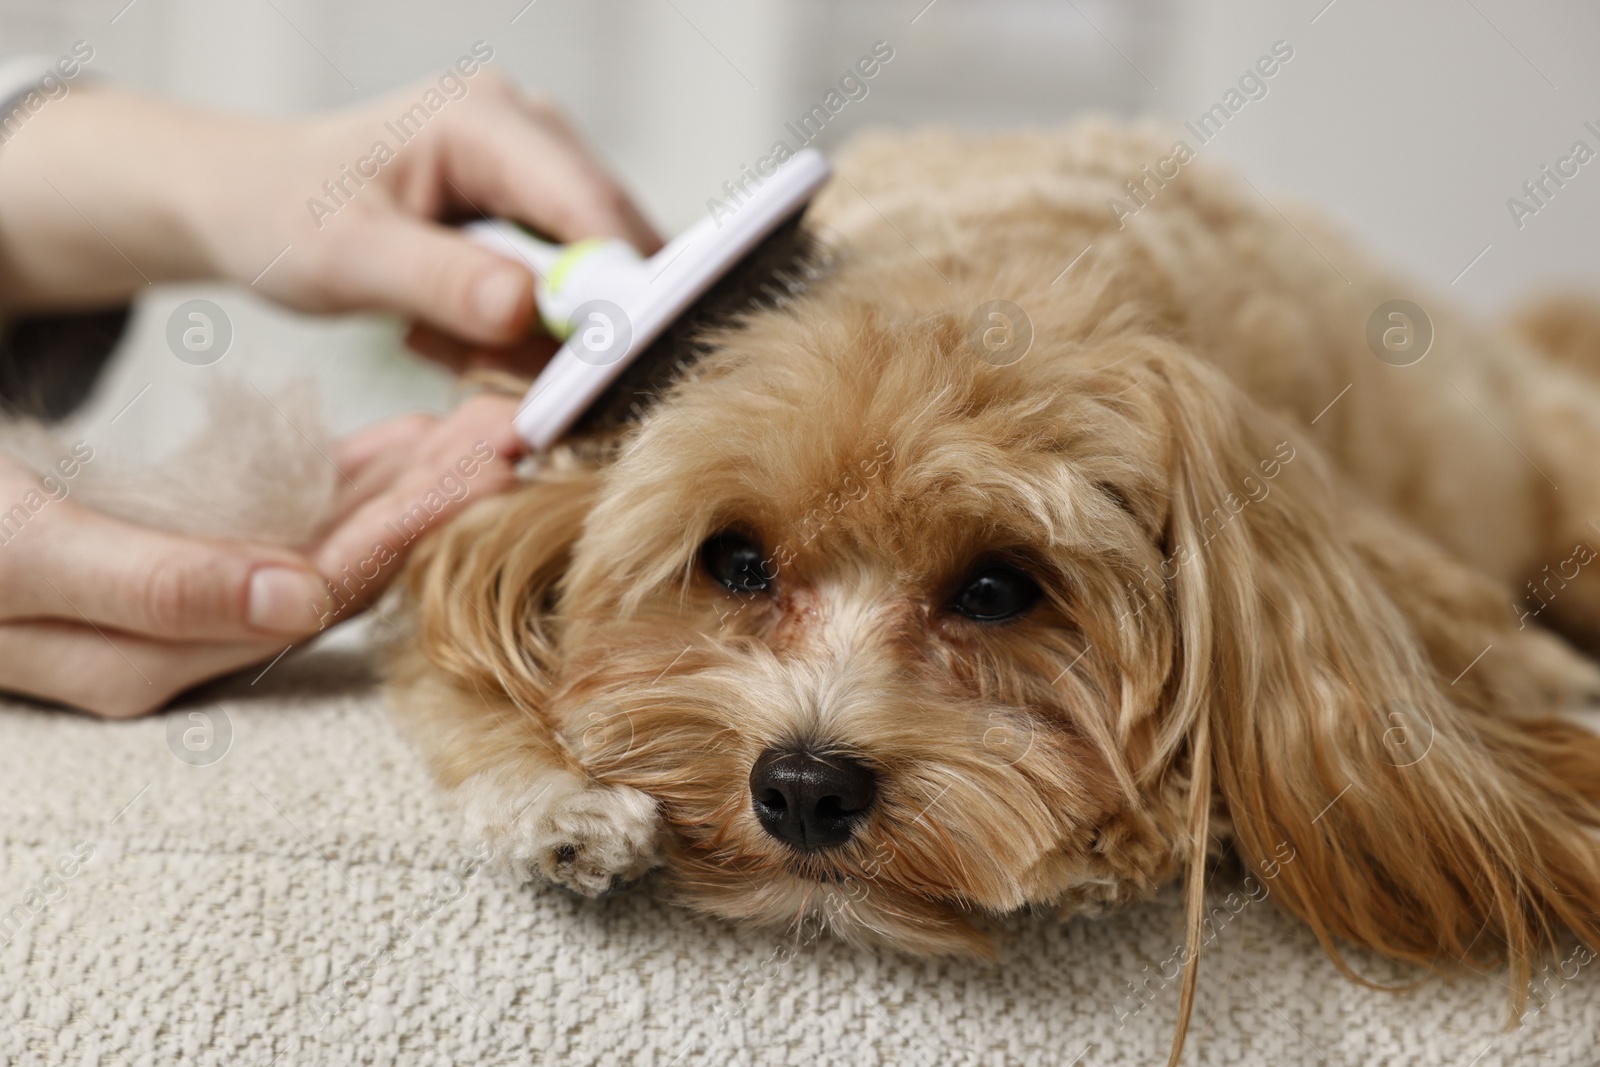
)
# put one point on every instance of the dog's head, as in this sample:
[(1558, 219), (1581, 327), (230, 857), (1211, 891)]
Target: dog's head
[(897, 635), (831, 608)]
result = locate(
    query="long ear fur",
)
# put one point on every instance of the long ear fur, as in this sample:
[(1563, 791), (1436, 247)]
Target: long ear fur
[(483, 592), (1382, 802)]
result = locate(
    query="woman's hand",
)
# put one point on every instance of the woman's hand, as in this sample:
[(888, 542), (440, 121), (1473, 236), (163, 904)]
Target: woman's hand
[(103, 192), (117, 619)]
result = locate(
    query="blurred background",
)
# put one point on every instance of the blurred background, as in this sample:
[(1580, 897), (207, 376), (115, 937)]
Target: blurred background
[(1411, 124)]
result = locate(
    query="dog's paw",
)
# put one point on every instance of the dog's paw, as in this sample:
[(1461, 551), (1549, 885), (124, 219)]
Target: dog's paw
[(585, 837)]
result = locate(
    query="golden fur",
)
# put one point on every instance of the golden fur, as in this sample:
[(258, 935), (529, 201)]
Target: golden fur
[(1265, 618)]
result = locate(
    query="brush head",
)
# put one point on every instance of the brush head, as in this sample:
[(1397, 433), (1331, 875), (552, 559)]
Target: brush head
[(771, 275), (631, 325)]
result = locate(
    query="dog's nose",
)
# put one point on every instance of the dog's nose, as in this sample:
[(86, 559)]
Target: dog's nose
[(812, 802)]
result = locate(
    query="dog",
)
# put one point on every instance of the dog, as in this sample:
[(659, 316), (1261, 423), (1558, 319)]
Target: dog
[(1038, 554)]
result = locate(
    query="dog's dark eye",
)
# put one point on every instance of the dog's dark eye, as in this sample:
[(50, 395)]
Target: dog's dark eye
[(996, 592), (735, 561)]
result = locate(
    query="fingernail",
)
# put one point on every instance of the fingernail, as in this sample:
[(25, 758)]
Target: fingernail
[(286, 600), (497, 296)]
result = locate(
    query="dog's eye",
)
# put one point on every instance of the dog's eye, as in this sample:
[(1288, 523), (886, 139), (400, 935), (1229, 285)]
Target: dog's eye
[(735, 561), (996, 592)]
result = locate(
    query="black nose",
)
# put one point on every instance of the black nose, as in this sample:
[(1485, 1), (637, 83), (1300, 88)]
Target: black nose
[(811, 802)]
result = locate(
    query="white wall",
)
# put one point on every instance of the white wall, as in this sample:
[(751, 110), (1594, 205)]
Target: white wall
[(1414, 122)]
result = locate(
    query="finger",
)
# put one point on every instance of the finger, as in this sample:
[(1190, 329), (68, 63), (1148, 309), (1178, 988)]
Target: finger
[(634, 226), (375, 456), (630, 221), (382, 440), (470, 456), (524, 165), (111, 673), (526, 357), (105, 572), (421, 270)]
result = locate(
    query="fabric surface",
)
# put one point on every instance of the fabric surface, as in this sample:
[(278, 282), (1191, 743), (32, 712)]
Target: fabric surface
[(306, 898)]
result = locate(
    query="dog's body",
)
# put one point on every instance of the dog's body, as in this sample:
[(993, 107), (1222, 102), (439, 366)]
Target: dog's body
[(1274, 590)]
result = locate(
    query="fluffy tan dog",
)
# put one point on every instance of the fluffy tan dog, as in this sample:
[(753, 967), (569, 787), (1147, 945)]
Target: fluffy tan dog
[(878, 621)]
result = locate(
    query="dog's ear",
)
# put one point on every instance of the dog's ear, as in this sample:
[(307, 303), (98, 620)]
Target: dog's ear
[(483, 593), (1312, 700)]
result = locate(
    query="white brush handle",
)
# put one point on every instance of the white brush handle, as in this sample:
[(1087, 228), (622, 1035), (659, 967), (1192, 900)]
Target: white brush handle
[(647, 294)]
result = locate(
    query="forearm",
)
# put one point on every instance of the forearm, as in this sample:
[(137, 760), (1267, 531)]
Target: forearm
[(102, 193)]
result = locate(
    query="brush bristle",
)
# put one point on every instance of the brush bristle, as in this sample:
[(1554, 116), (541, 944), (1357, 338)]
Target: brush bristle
[(771, 275)]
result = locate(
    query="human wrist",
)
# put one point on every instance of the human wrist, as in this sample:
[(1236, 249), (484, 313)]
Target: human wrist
[(181, 202), (225, 200)]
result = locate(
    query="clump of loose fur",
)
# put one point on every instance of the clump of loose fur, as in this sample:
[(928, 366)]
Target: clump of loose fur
[(258, 469)]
